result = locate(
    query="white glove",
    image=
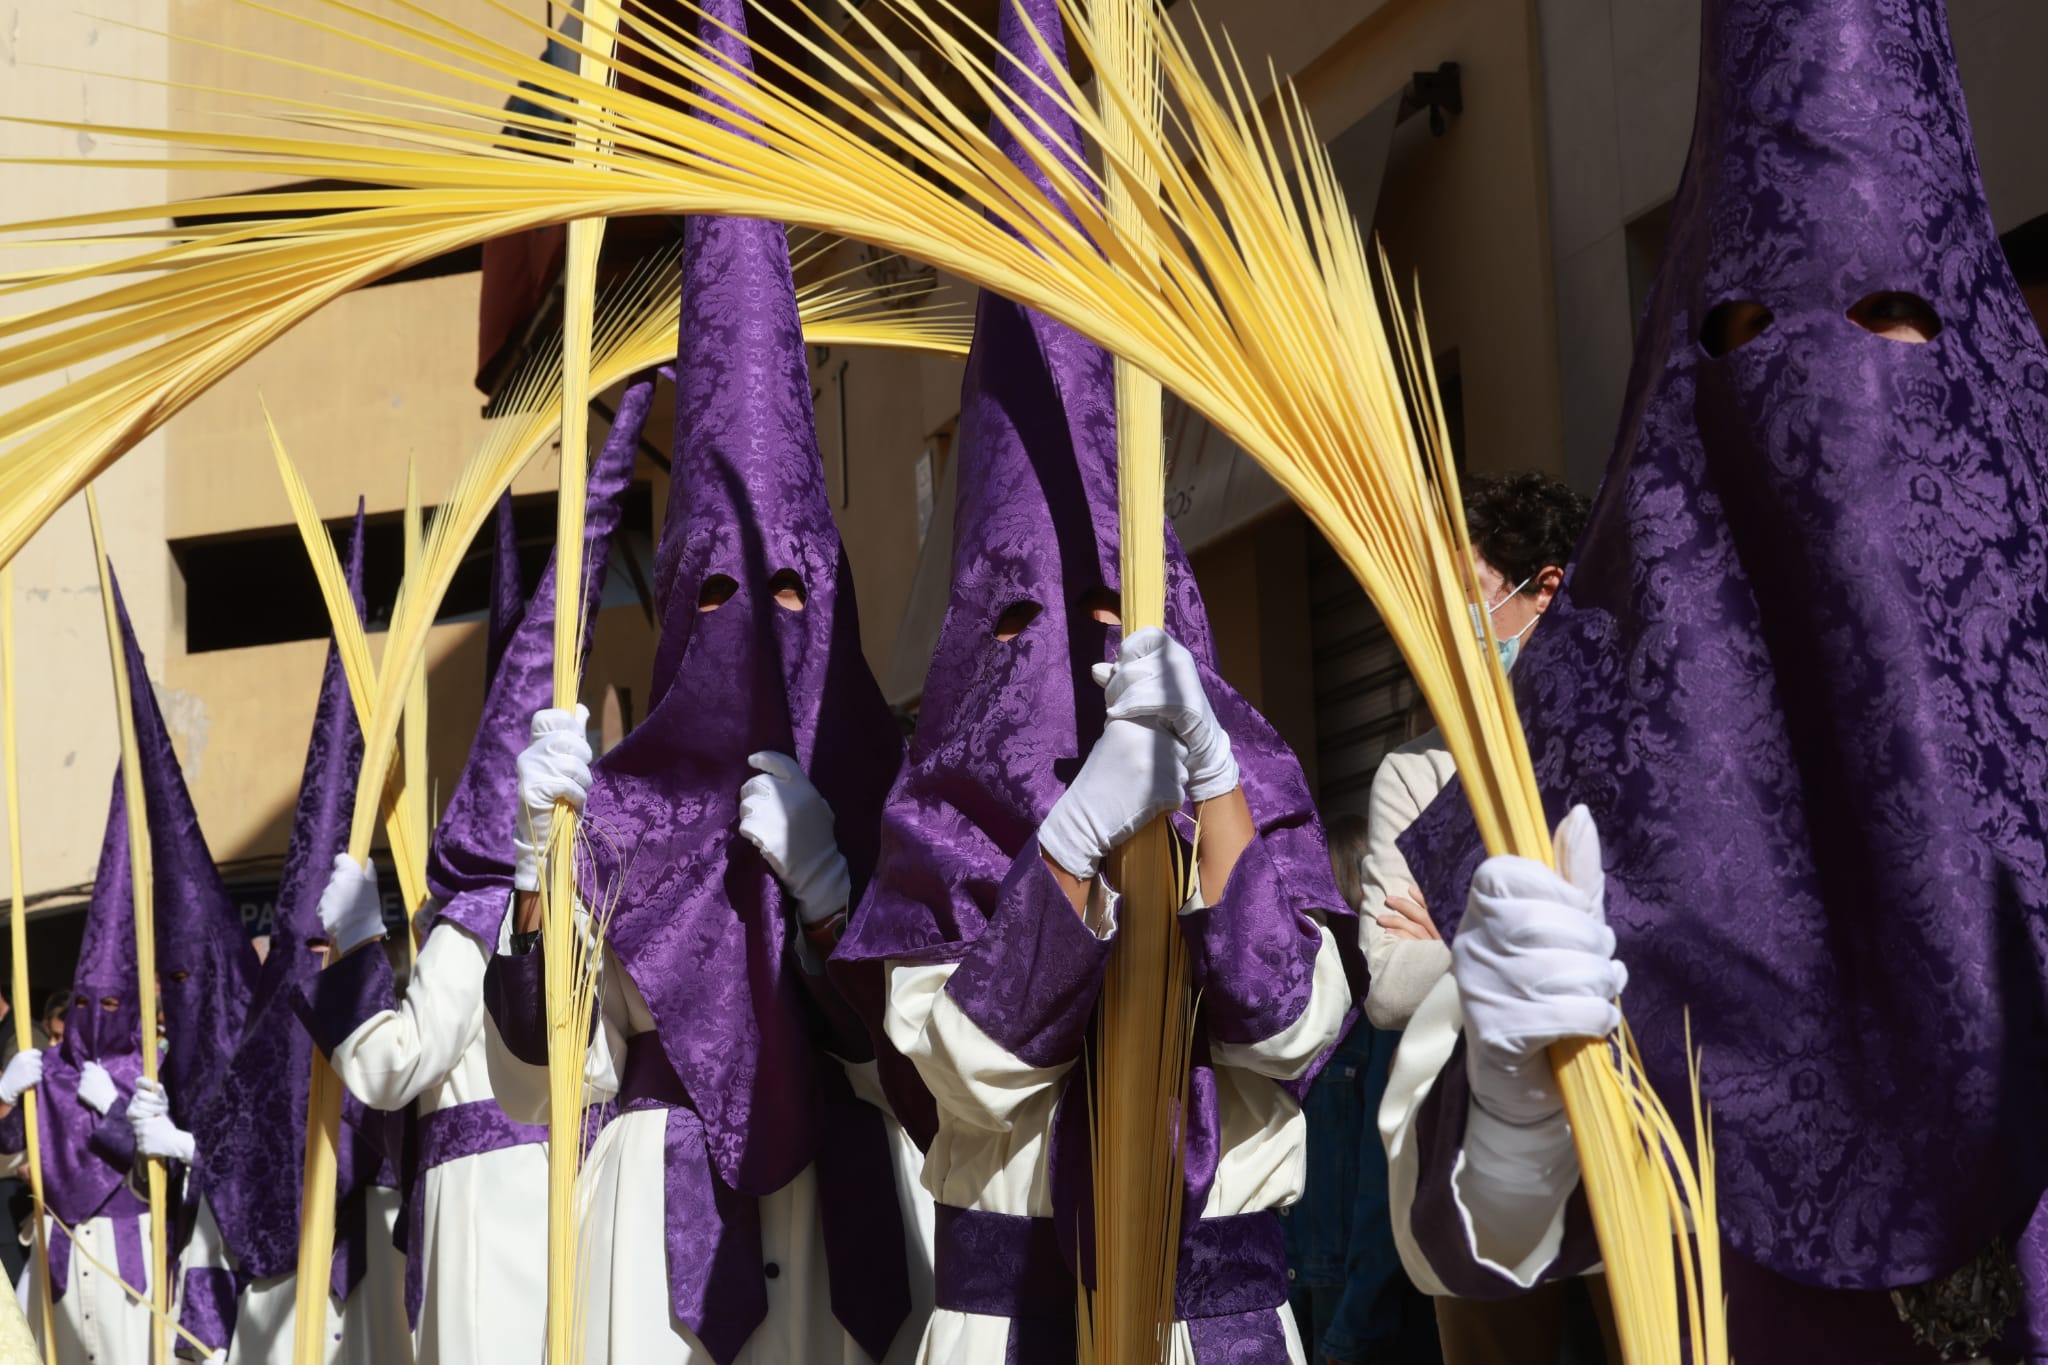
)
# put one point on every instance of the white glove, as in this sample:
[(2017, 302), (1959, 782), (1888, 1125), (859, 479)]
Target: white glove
[(1534, 961), (1156, 680), (149, 1101), (555, 767), (24, 1069), (1535, 964), (96, 1088), (149, 1118), (783, 815), (351, 908), (1134, 774)]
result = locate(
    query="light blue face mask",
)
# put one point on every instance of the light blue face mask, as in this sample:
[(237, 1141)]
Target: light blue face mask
[(1509, 649)]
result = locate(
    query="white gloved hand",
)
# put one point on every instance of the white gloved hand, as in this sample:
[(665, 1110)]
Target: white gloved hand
[(96, 1088), (1156, 680), (149, 1101), (555, 767), (24, 1069), (1134, 774), (1534, 961), (149, 1118), (783, 815), (351, 907)]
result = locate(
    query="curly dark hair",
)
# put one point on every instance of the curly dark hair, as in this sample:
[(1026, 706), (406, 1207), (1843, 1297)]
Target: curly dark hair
[(1522, 523)]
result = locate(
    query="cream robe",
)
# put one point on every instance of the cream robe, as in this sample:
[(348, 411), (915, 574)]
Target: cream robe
[(625, 1229), (484, 1219), (996, 1113)]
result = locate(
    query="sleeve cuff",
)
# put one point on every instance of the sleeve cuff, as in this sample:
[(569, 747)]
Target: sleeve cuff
[(515, 997), (1441, 1223), (1252, 956), (1031, 980), (112, 1137), (341, 999)]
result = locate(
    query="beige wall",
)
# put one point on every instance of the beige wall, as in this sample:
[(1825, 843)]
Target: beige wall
[(1620, 80), (65, 711)]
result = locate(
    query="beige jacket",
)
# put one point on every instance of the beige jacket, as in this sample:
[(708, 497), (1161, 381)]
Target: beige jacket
[(1403, 970)]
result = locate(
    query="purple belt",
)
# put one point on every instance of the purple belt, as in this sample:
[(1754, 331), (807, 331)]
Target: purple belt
[(717, 1271), (447, 1135), (129, 1262), (1232, 1278)]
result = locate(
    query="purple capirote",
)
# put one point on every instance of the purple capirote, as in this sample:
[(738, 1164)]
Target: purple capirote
[(469, 870), (251, 1130), (1799, 670)]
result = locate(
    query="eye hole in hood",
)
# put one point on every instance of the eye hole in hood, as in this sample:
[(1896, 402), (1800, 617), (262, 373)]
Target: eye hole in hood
[(1897, 316), (716, 592), (1100, 604), (1014, 618), (787, 588), (1733, 324)]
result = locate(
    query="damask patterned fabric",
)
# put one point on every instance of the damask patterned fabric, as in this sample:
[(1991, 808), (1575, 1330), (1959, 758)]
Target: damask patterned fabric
[(508, 598), (81, 1176), (470, 868), (1800, 670), (250, 1133), (206, 968), (698, 921), (1004, 725)]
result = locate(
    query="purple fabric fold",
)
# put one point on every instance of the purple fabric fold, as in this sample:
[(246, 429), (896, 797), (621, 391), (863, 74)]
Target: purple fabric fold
[(82, 1175), (212, 1299), (1796, 672), (701, 925), (333, 1004), (515, 996), (1231, 1284), (469, 869), (1251, 955), (866, 1253), (716, 1278), (1007, 1265), (508, 598), (1031, 980), (252, 1129), (206, 968)]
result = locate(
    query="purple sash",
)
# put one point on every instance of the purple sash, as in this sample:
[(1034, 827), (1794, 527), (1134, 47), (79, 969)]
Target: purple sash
[(447, 1135), (1232, 1279)]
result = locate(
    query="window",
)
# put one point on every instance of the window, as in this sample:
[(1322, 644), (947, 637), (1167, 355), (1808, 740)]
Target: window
[(257, 588)]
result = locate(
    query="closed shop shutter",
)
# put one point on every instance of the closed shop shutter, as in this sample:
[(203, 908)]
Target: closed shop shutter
[(1362, 688)]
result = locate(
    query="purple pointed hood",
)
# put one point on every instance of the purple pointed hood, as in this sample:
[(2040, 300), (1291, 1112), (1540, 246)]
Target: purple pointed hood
[(507, 601), (1800, 670), (206, 968), (1004, 725), (701, 923), (80, 1175), (470, 869), (252, 1127)]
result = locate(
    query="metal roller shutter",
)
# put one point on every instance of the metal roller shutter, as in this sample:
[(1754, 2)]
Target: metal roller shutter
[(1362, 688)]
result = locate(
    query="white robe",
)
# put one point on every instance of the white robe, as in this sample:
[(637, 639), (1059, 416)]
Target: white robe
[(267, 1314), (624, 1222), (484, 1219), (96, 1322), (996, 1113)]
